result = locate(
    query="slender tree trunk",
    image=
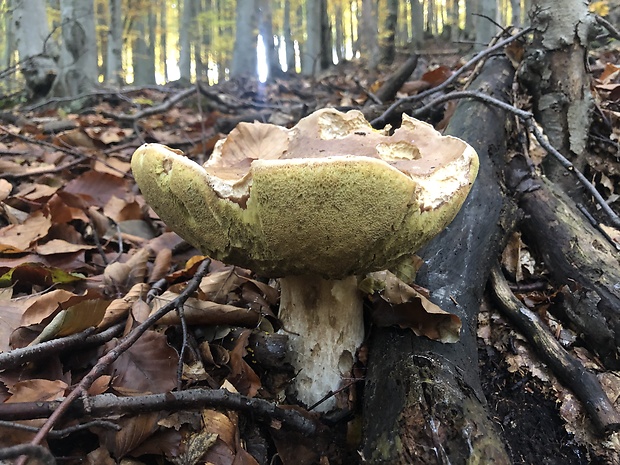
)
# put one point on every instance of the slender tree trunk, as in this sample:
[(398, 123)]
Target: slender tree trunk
[(185, 46), (515, 19), (338, 31), (9, 40), (265, 27), (326, 37), (244, 52), (310, 60), (471, 7), (554, 71), (368, 34), (114, 72), (78, 57), (163, 52), (431, 12), (417, 23), (289, 43), (143, 50), (485, 27), (38, 55), (391, 23)]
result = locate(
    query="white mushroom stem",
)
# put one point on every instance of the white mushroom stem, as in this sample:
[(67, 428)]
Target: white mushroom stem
[(324, 322)]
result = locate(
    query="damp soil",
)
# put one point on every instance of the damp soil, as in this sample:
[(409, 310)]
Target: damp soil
[(528, 416)]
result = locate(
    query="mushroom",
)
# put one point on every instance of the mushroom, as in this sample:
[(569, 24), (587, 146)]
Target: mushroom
[(317, 206)]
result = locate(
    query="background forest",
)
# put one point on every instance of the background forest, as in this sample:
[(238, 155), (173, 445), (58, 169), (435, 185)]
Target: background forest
[(148, 42), (124, 340)]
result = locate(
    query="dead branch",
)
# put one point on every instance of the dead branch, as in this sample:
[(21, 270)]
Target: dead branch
[(133, 117), (568, 369), (17, 357), (109, 404), (391, 86), (610, 27), (381, 120)]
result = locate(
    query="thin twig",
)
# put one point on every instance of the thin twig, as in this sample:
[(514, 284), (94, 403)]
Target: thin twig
[(125, 343), (479, 56), (61, 433), (30, 450), (610, 27)]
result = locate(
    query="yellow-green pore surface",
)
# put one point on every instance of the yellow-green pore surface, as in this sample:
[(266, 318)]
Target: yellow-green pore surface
[(332, 216)]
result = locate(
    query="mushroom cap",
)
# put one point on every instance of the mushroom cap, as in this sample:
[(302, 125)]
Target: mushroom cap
[(330, 196)]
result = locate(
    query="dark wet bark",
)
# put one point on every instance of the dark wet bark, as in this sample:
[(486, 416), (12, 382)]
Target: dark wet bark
[(423, 400)]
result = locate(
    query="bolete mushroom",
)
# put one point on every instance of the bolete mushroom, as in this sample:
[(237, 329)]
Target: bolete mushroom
[(315, 205)]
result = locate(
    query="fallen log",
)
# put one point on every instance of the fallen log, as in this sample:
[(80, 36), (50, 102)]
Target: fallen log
[(578, 257), (423, 399)]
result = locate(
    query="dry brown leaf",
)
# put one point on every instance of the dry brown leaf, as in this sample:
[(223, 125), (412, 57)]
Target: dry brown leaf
[(242, 377), (401, 305), (98, 188), (43, 306), (37, 390), (161, 265), (123, 209), (134, 430), (76, 318), (119, 308), (10, 318), (60, 246), (18, 238), (205, 312), (150, 365), (100, 456)]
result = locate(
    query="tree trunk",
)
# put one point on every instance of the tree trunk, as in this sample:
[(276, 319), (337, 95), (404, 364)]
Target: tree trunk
[(471, 7), (265, 28), (339, 32), (114, 69), (288, 38), (143, 50), (417, 23), (485, 26), (515, 19), (244, 52), (310, 60), (391, 22), (163, 49), (326, 37), (368, 34), (423, 399), (554, 71), (38, 55), (185, 46)]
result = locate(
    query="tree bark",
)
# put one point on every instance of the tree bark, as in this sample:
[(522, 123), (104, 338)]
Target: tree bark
[(574, 252), (185, 49), (310, 60), (78, 57), (244, 53), (367, 32), (38, 55), (554, 71), (114, 60), (423, 397)]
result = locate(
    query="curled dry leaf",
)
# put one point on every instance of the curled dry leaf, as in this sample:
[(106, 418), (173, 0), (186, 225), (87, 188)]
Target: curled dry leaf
[(76, 318), (401, 305), (134, 430), (205, 312), (242, 377), (161, 265), (119, 308)]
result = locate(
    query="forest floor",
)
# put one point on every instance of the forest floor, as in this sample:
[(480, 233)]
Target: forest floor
[(79, 248)]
